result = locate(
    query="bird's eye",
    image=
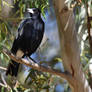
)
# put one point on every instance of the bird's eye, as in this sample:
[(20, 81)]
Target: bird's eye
[(35, 11)]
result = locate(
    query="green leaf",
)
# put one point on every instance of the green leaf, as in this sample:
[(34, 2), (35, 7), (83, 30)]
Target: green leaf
[(6, 3), (27, 90), (2, 56), (2, 89), (46, 87), (86, 66)]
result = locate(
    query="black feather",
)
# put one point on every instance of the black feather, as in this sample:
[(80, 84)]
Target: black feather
[(30, 34)]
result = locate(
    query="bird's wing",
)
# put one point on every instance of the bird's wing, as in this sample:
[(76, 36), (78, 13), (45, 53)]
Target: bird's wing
[(20, 28), (22, 24)]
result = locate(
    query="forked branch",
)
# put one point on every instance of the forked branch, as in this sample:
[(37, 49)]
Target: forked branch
[(37, 66)]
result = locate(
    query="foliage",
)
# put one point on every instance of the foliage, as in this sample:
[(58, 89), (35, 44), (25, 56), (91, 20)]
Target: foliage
[(10, 23), (38, 80), (8, 27)]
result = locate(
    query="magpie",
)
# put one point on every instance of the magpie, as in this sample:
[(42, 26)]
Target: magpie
[(29, 36)]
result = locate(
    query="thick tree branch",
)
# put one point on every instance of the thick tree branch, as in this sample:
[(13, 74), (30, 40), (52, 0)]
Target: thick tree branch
[(38, 67), (69, 47)]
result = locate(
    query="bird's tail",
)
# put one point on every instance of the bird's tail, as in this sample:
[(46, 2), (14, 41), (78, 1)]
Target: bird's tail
[(12, 68)]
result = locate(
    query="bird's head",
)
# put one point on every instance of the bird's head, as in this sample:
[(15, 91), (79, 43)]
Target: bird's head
[(34, 12)]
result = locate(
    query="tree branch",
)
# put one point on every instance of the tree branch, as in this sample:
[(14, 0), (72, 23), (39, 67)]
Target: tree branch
[(3, 68), (4, 84), (38, 67)]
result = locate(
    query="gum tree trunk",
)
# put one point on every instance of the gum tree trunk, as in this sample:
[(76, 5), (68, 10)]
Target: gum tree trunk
[(69, 47)]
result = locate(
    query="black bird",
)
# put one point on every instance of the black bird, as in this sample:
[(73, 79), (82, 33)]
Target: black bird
[(28, 39)]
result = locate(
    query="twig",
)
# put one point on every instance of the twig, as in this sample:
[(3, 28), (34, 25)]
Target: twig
[(5, 84), (38, 67), (3, 79), (3, 68), (89, 19), (11, 19)]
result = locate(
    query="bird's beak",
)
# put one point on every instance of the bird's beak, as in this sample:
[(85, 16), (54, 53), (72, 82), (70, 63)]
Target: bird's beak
[(30, 10)]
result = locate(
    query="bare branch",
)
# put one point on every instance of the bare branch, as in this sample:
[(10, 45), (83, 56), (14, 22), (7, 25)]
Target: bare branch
[(3, 68), (38, 67), (5, 84), (11, 19)]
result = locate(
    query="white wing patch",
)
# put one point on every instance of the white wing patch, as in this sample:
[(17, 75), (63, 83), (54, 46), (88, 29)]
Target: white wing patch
[(19, 53), (30, 10)]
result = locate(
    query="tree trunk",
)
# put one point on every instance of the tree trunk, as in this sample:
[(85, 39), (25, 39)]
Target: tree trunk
[(69, 47)]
